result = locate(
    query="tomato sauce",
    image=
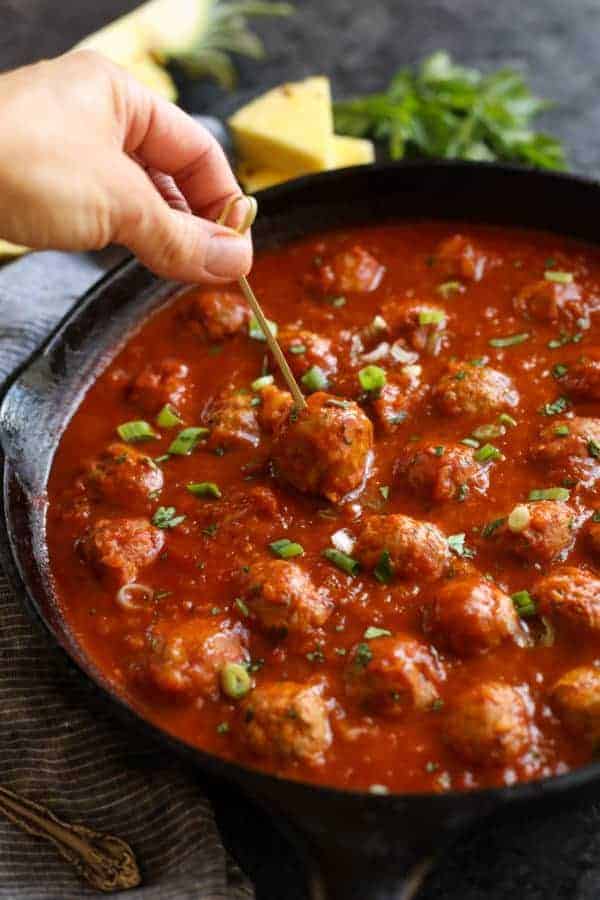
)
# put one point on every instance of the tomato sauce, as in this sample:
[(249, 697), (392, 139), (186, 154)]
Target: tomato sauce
[(432, 311)]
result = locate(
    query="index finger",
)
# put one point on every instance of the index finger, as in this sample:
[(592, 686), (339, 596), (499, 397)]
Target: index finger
[(164, 137)]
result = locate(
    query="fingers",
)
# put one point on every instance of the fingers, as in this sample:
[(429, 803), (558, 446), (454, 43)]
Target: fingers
[(165, 138), (171, 242)]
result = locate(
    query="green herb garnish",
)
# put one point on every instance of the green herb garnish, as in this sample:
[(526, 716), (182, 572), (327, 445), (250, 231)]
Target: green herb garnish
[(315, 380), (510, 341), (130, 432), (372, 632), (168, 417), (556, 493), (384, 570), (204, 489), (286, 549), (524, 604), (344, 562), (166, 517), (448, 111), (372, 378), (187, 439), (456, 542)]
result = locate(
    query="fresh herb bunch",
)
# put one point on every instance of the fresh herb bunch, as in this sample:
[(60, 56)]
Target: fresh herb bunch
[(227, 32), (451, 112)]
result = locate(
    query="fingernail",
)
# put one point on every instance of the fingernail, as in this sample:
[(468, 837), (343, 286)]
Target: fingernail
[(227, 255)]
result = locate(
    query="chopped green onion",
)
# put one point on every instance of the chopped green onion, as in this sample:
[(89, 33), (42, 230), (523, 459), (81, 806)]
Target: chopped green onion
[(488, 432), (378, 789), (259, 383), (561, 430), (286, 549), (342, 560), (187, 439), (438, 451), (558, 277), (223, 728), (594, 449), (372, 378), (384, 570), (511, 341), (297, 349), (373, 632), (487, 452), (491, 527), (363, 656), (505, 419), (235, 681), (456, 542), (338, 302), (168, 417), (384, 490), (315, 379), (241, 607), (524, 604), (596, 516), (166, 517), (256, 332), (470, 442), (556, 493), (564, 338), (432, 316), (135, 431), (449, 287), (519, 518), (204, 489), (556, 407), (559, 370)]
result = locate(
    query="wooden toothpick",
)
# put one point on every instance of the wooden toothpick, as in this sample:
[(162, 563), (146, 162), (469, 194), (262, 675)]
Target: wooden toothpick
[(255, 306)]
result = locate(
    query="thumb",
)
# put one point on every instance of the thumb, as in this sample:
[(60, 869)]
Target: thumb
[(171, 242)]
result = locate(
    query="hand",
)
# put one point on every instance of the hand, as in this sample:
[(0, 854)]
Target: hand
[(88, 157)]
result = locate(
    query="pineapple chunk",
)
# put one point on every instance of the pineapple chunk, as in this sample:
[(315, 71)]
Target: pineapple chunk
[(158, 26), (289, 128), (8, 250), (347, 151)]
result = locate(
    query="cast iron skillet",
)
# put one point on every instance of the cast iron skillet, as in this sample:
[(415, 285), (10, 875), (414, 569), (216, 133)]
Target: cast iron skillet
[(362, 846)]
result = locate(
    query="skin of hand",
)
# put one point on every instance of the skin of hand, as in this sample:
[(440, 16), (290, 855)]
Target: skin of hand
[(89, 157)]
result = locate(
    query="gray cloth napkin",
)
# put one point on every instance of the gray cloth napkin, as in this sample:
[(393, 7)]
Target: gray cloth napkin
[(57, 748)]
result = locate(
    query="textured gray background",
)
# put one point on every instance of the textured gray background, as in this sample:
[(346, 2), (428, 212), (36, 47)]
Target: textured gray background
[(556, 43)]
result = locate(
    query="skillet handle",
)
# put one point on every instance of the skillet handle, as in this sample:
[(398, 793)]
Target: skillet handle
[(338, 877)]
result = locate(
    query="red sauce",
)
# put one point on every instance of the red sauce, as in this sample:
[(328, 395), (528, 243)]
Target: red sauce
[(384, 714)]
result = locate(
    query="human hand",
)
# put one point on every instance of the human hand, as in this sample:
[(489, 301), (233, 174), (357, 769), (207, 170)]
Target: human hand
[(89, 156)]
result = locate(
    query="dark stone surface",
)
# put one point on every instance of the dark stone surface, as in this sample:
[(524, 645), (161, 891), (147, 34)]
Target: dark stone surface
[(555, 42)]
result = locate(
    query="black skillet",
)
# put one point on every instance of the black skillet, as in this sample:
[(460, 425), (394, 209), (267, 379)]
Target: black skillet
[(362, 846)]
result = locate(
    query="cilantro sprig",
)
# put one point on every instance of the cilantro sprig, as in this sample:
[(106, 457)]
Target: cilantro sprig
[(451, 112)]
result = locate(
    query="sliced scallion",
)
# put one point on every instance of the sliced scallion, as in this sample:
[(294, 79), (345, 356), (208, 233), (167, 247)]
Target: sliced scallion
[(510, 341), (187, 439), (505, 419), (168, 417), (486, 453), (259, 383), (524, 604), (372, 378), (432, 317), (555, 493), (256, 332), (315, 379), (558, 277), (384, 570), (204, 489), (372, 633), (130, 432), (344, 562), (286, 549)]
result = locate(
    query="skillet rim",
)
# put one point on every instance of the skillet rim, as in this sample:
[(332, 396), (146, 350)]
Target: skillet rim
[(95, 681)]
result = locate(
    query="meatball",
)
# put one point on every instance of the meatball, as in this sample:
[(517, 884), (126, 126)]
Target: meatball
[(401, 392), (326, 448), (592, 533), (575, 699), (186, 658), (582, 379), (422, 324), (471, 615), (275, 408), (548, 535), (442, 471), (124, 476), (474, 391), (349, 270), (305, 349), (457, 257), (219, 314), (570, 447), (233, 421), (160, 383), (282, 597), (287, 720), (393, 674), (118, 548), (548, 301), (571, 598), (489, 723), (415, 549)]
